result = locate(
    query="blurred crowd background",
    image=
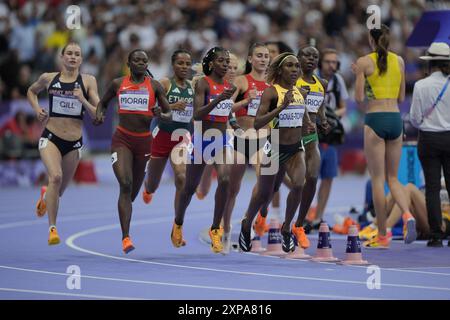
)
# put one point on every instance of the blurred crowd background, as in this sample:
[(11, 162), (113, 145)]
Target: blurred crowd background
[(33, 32)]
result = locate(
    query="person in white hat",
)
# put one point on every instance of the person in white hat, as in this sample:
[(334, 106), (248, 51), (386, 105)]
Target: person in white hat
[(430, 113)]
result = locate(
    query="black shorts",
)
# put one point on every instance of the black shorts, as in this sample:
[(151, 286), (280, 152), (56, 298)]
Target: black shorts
[(250, 146), (285, 152), (63, 146)]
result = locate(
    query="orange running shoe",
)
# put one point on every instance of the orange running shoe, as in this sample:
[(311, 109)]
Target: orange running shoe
[(53, 237), (177, 236), (300, 235), (41, 207), (260, 226), (146, 196), (378, 242), (127, 245), (216, 240)]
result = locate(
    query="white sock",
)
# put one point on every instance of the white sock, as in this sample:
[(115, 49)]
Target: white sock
[(51, 226)]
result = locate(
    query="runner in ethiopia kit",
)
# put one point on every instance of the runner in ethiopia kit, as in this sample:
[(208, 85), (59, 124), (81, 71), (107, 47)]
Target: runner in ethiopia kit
[(70, 94), (170, 137), (250, 88), (131, 143), (212, 110)]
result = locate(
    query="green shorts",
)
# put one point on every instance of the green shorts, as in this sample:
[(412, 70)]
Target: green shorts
[(310, 138)]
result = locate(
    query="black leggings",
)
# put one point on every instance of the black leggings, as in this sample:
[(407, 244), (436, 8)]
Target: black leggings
[(434, 153)]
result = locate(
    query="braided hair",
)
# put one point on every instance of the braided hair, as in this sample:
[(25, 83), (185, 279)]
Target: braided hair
[(210, 56)]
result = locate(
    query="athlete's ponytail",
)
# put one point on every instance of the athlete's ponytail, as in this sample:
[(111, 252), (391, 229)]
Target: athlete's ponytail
[(381, 39)]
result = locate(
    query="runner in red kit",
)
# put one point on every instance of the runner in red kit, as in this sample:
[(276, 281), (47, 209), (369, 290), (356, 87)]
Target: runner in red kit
[(131, 143)]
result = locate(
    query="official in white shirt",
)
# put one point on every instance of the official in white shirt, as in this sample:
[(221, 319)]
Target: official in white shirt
[(430, 113)]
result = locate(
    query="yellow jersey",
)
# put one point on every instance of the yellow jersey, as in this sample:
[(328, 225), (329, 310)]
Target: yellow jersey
[(387, 85), (292, 115), (316, 93)]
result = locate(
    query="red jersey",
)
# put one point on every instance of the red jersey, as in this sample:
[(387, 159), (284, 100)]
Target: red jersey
[(253, 106), (222, 110), (136, 98)]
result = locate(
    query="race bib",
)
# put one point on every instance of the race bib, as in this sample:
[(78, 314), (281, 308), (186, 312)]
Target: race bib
[(184, 116), (67, 105), (155, 132), (313, 101), (222, 109), (43, 143), (291, 117), (253, 107), (136, 100), (267, 147)]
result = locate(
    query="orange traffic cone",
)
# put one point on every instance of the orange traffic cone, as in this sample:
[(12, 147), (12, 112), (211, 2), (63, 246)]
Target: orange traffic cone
[(256, 245), (274, 240), (353, 255), (299, 252), (324, 252)]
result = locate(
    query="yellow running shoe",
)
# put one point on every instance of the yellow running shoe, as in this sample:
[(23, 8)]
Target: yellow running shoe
[(41, 207), (146, 196), (368, 233), (177, 236), (127, 245), (378, 242), (260, 226), (216, 240), (53, 237), (300, 235)]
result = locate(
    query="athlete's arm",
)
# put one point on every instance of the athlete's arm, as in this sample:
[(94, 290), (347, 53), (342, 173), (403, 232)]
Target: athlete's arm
[(201, 91), (32, 95), (358, 69), (401, 94), (165, 113), (241, 84), (321, 112), (91, 87), (102, 105), (269, 99)]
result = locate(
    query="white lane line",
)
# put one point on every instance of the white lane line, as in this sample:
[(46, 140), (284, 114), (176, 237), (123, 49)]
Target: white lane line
[(70, 242), (79, 295), (85, 216), (296, 294)]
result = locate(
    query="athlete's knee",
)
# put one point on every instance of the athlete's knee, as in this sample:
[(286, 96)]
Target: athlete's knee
[(297, 187), (223, 181), (55, 178), (126, 186), (311, 180), (179, 181)]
